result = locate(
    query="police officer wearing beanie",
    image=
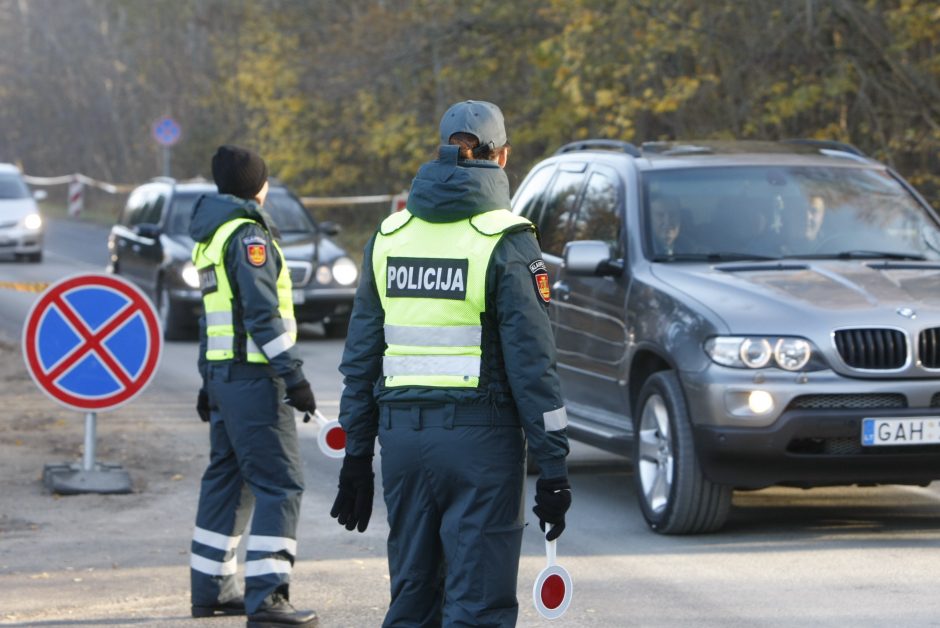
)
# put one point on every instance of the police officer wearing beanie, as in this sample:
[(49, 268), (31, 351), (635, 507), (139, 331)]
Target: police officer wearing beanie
[(250, 366), (450, 363)]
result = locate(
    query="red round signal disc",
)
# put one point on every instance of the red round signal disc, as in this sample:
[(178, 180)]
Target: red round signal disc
[(552, 591), (332, 439)]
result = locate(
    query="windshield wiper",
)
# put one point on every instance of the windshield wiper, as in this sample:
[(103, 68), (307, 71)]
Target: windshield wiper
[(713, 257), (862, 254)]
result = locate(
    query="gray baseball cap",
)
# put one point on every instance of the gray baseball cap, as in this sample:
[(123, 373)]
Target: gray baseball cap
[(479, 118)]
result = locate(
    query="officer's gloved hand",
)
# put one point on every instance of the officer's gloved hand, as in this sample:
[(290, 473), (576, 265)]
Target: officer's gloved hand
[(300, 396), (353, 505), (202, 405), (552, 501)]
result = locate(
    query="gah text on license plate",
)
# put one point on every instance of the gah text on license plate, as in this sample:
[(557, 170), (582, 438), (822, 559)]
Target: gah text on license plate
[(917, 430)]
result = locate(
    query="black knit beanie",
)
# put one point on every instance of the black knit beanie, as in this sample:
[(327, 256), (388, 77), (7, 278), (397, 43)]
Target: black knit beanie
[(238, 171)]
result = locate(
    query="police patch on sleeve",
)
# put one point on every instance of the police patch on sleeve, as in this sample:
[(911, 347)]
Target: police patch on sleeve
[(430, 278), (256, 250), (540, 277)]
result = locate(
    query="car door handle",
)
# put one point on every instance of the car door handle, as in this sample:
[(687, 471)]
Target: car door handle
[(135, 248)]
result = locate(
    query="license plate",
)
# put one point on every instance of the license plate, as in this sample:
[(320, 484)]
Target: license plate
[(298, 296), (905, 431)]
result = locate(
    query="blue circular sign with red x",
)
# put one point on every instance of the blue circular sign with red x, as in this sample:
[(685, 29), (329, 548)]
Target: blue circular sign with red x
[(92, 342), (166, 131)]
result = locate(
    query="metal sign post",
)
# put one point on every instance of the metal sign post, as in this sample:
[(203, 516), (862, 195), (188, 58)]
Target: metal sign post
[(91, 343)]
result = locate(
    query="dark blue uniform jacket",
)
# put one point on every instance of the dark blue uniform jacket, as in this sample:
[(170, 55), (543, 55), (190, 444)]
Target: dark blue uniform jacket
[(518, 361)]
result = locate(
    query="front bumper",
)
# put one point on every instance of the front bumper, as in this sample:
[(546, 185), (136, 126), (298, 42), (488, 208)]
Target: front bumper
[(813, 436), (20, 241)]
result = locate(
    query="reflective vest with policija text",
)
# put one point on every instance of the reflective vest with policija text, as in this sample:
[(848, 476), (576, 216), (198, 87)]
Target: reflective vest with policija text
[(209, 259), (433, 302)]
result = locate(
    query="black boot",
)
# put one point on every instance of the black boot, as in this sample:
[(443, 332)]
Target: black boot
[(232, 607), (281, 613)]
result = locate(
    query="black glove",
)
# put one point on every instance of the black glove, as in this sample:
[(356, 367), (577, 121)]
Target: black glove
[(552, 501), (202, 405), (353, 505), (300, 396)]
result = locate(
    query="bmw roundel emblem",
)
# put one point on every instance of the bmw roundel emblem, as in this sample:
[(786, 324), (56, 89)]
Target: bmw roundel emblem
[(907, 312)]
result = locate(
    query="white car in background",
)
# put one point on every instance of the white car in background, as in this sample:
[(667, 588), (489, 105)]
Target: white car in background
[(21, 226)]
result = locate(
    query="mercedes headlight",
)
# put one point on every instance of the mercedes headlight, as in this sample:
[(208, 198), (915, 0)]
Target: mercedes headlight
[(345, 271), (755, 352), (190, 275)]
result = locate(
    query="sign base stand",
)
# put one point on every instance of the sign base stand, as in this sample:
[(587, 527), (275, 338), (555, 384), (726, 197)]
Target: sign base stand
[(72, 479)]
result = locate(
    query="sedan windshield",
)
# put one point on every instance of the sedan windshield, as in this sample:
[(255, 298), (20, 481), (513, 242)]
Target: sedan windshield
[(766, 212), (12, 186), (288, 214)]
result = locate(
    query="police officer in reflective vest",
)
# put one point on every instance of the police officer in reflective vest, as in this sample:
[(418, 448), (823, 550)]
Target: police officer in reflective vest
[(249, 364), (450, 363)]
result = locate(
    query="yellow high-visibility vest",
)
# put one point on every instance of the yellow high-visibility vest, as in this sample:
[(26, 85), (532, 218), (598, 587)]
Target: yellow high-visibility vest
[(431, 280), (209, 259)]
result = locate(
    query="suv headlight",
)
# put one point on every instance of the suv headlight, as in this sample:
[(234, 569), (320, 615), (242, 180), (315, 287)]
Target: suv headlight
[(786, 352), (345, 271)]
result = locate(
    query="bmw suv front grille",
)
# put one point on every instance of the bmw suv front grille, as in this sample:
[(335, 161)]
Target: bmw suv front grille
[(875, 349), (928, 348)]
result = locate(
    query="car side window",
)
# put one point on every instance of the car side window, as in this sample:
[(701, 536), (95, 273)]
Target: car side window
[(560, 203), (528, 199), (132, 210), (598, 216)]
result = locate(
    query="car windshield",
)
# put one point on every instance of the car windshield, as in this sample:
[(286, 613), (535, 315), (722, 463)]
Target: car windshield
[(766, 212), (288, 214), (12, 186)]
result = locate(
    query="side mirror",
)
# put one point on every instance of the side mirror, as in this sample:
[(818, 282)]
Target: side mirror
[(40, 195), (590, 257), (328, 227), (148, 230)]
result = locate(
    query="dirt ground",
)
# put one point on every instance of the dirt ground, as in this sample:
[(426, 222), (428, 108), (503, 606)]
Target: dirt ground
[(122, 560)]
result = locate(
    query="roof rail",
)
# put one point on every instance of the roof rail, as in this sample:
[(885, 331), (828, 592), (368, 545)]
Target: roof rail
[(830, 144), (625, 147)]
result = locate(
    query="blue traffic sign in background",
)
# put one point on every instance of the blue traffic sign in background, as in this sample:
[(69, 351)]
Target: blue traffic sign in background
[(166, 131)]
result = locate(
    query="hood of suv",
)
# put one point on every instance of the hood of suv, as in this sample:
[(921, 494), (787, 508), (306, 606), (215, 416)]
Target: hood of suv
[(296, 246), (783, 297)]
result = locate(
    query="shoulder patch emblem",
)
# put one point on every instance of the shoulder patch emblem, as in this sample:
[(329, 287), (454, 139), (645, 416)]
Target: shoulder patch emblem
[(257, 254), (540, 277)]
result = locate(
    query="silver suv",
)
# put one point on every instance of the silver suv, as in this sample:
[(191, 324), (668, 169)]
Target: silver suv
[(740, 315)]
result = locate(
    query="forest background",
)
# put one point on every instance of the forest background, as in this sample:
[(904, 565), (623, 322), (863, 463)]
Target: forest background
[(344, 98)]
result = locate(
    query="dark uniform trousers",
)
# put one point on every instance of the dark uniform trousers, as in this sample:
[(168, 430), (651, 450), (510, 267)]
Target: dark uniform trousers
[(454, 483), (254, 461)]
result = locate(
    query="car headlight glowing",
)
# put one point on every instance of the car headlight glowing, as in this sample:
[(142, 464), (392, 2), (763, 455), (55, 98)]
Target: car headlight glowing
[(32, 221), (760, 402), (792, 354), (324, 274), (756, 352), (786, 352), (190, 275), (345, 271)]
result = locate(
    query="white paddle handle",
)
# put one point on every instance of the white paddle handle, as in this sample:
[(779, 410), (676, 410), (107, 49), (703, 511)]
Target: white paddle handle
[(550, 546), (321, 420)]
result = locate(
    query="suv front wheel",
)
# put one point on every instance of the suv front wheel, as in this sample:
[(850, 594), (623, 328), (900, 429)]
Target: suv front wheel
[(674, 495)]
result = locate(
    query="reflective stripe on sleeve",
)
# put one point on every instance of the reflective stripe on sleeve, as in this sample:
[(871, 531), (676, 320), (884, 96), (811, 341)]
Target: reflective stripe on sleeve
[(216, 540), (422, 336), (265, 566), (272, 544), (458, 365), (290, 324), (218, 318), (278, 346), (556, 419), (213, 567)]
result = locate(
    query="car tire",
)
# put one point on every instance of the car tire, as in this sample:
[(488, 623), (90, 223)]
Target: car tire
[(170, 315), (336, 328), (674, 495)]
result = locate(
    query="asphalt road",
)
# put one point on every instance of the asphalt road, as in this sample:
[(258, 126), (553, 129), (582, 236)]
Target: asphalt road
[(823, 557)]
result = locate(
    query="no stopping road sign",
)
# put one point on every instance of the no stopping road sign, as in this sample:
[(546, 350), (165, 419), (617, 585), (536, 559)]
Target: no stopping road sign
[(92, 342)]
